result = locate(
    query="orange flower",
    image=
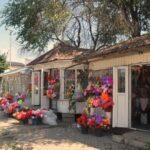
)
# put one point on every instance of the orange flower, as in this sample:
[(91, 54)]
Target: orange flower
[(106, 121)]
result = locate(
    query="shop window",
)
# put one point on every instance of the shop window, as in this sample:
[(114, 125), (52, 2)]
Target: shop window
[(54, 82), (82, 79), (95, 76), (69, 84), (121, 80)]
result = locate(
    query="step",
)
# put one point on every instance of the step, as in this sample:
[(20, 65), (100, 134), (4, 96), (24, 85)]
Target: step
[(135, 139)]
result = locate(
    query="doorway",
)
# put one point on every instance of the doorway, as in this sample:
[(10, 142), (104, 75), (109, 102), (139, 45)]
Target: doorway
[(140, 109), (36, 88), (120, 97)]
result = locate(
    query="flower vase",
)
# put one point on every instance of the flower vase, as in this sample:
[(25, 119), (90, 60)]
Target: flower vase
[(84, 130), (39, 121), (91, 131), (34, 121), (29, 121)]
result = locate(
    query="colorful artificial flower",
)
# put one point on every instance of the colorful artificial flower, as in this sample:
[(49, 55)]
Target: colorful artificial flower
[(91, 122), (105, 96), (96, 102), (82, 120)]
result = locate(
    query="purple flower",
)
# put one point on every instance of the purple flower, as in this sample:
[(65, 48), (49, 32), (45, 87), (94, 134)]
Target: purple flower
[(98, 119)]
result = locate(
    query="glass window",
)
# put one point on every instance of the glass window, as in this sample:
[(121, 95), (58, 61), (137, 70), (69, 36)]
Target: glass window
[(54, 81), (69, 85), (121, 80), (82, 79), (36, 82), (45, 83)]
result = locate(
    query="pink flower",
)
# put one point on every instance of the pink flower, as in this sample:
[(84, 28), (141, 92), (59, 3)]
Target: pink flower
[(96, 102)]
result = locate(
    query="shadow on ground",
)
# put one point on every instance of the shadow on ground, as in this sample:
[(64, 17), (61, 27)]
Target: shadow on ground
[(62, 136)]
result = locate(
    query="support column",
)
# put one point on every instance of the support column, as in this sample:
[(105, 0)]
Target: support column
[(32, 80)]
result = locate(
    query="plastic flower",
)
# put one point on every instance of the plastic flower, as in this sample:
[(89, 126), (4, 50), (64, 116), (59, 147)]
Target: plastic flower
[(90, 101), (96, 102), (105, 96), (82, 120), (106, 121), (98, 119), (91, 122)]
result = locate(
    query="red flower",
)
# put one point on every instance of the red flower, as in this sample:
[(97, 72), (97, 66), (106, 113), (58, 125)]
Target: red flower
[(91, 122), (82, 120)]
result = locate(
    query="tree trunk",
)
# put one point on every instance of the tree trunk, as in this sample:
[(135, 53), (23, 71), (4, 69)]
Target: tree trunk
[(136, 31)]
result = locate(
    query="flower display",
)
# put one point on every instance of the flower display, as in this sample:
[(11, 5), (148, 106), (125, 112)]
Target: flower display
[(95, 121), (50, 93), (53, 85), (23, 115), (100, 94), (20, 110), (99, 102)]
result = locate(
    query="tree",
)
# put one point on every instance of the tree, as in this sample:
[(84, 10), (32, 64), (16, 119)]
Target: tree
[(3, 64), (84, 23), (36, 21), (129, 17)]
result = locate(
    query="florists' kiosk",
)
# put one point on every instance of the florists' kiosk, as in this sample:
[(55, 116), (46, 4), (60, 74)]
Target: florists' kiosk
[(56, 78)]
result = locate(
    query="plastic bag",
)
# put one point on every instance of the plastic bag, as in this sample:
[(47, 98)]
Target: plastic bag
[(49, 118)]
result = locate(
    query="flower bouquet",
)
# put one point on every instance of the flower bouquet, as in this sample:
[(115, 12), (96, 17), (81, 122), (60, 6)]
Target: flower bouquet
[(37, 116), (50, 93), (23, 116), (53, 86)]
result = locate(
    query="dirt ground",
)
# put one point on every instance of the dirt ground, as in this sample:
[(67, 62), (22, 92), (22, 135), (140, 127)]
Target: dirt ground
[(14, 136)]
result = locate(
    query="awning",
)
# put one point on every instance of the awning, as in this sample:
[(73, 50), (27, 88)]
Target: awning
[(20, 70)]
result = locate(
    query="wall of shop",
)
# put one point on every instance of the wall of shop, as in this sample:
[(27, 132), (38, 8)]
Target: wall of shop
[(56, 64), (119, 60), (16, 83)]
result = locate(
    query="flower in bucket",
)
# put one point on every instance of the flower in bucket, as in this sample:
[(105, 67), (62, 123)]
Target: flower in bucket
[(23, 115), (82, 120), (37, 113)]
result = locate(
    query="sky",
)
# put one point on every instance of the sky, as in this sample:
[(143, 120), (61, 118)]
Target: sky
[(5, 43)]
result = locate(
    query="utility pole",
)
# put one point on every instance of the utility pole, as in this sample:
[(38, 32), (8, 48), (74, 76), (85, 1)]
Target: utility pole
[(10, 46)]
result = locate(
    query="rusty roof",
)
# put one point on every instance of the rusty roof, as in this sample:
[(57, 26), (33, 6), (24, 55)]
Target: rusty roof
[(128, 46), (13, 63), (60, 52)]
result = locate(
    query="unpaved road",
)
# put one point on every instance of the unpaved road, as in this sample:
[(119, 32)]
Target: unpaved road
[(23, 137)]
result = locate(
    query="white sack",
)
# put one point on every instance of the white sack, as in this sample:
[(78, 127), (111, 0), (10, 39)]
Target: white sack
[(49, 118)]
